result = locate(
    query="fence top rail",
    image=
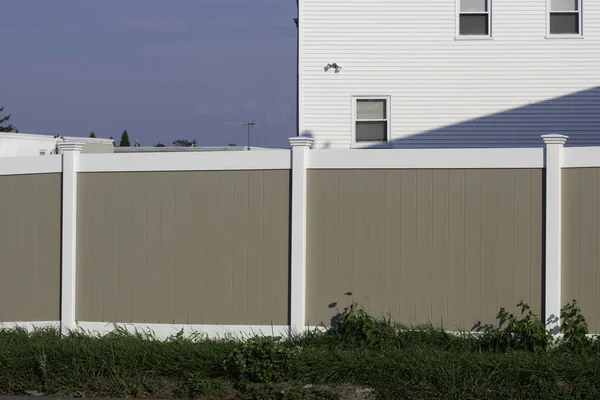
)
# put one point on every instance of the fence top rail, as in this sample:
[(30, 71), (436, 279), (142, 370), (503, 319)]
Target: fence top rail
[(427, 158), (573, 157), (29, 165), (581, 157), (203, 161)]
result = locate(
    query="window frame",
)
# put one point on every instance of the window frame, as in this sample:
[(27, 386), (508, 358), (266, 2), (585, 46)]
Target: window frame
[(549, 12), (388, 119), (458, 35)]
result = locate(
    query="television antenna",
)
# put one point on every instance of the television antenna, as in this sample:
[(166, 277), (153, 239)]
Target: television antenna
[(249, 124)]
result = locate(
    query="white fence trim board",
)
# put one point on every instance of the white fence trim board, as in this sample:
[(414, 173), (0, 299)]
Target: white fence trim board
[(160, 331), (426, 158), (200, 161), (581, 157), (29, 165), (163, 331), (30, 326)]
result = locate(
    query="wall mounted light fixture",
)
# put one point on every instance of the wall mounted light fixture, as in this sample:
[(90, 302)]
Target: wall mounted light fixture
[(335, 66)]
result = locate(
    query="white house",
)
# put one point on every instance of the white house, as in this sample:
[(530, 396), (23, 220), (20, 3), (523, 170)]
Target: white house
[(27, 144), (448, 73)]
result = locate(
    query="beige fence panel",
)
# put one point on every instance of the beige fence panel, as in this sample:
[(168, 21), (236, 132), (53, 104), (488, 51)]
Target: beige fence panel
[(200, 247), (580, 257), (446, 246), (30, 218)]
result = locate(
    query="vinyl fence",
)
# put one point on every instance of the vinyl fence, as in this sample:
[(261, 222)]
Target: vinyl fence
[(265, 241)]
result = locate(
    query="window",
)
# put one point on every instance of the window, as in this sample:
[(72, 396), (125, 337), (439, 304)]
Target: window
[(474, 18), (371, 119), (565, 17)]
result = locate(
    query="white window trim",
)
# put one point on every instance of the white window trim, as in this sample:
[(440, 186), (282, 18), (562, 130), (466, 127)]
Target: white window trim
[(388, 109), (564, 36), (457, 34)]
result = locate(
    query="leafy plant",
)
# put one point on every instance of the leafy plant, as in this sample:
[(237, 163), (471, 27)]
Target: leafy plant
[(525, 333), (355, 325), (574, 328), (354, 319), (260, 360)]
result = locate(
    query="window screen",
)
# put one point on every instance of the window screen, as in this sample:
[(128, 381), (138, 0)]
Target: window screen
[(474, 18), (565, 17), (371, 123)]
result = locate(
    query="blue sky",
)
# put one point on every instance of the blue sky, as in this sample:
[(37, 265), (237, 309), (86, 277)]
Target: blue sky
[(162, 69)]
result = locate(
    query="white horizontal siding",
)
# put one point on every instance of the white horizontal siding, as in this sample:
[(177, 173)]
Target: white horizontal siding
[(506, 91)]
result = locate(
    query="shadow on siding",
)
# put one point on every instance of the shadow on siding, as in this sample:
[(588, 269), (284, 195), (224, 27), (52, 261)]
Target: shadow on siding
[(576, 115)]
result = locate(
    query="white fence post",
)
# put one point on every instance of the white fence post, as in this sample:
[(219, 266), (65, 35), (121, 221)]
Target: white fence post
[(70, 156), (554, 157), (300, 157)]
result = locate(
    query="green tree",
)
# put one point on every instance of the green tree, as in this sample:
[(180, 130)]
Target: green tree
[(125, 139), (159, 144), (4, 125), (92, 135)]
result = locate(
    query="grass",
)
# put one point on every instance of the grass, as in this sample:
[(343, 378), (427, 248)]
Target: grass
[(398, 362)]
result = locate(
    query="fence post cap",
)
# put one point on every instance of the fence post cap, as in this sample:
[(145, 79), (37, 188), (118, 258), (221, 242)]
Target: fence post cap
[(70, 146), (301, 141), (555, 139)]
